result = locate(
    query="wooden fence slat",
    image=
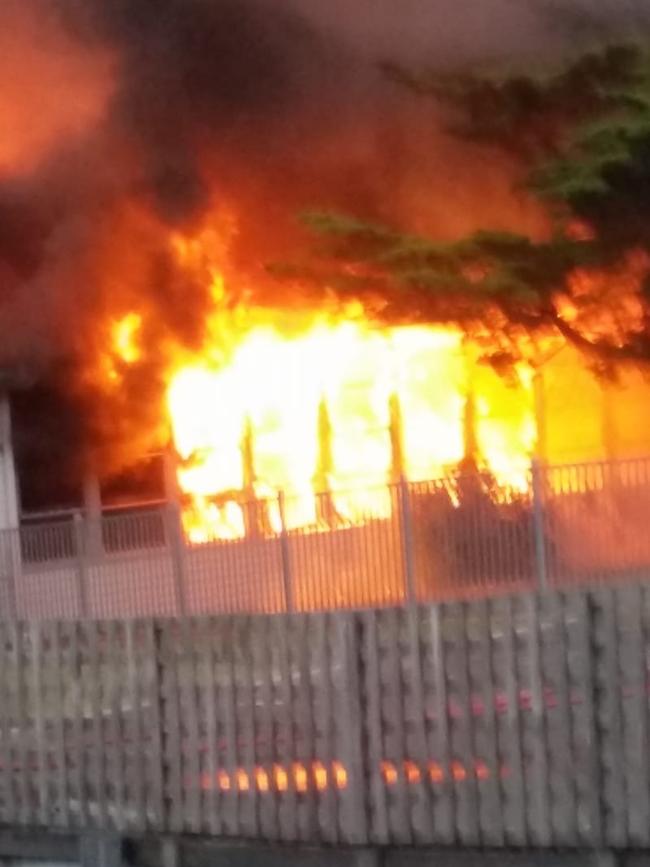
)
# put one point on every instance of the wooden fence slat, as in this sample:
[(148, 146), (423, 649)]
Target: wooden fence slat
[(114, 673), (533, 723), (631, 643), (561, 772), (284, 728), (265, 729), (8, 812), (379, 831), (607, 679), (22, 724), (134, 769), (482, 707), (508, 733), (460, 725), (349, 732), (228, 727), (323, 725), (59, 724), (438, 736), (212, 813), (187, 680), (417, 778), (585, 725), (392, 706), (38, 663), (303, 716), (76, 692), (156, 773), (171, 727), (246, 716), (98, 771)]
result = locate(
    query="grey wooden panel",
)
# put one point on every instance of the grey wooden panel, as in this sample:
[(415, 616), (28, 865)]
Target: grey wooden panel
[(155, 788), (300, 659), (508, 725), (439, 747), (244, 697), (8, 809), (77, 702), (533, 728), (134, 743), (59, 670), (20, 722), (392, 717), (36, 701), (561, 771), (228, 725), (586, 758), (96, 776), (346, 686), (416, 777), (323, 721), (115, 676), (209, 771), (482, 706), (283, 701), (607, 683), (378, 823), (188, 725), (170, 725), (264, 728), (460, 724), (633, 701)]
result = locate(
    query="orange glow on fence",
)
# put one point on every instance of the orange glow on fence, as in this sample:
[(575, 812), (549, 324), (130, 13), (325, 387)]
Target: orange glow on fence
[(320, 776), (261, 780), (389, 773), (281, 778), (301, 777), (413, 774), (340, 775)]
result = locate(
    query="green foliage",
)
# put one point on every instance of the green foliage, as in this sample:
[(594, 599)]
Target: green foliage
[(585, 134)]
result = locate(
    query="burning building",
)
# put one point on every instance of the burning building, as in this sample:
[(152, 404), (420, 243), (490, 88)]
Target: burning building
[(136, 226)]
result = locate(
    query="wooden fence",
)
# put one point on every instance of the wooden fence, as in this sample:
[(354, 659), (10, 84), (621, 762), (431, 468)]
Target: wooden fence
[(513, 721)]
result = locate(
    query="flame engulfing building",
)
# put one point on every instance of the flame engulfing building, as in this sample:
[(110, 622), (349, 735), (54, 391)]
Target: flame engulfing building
[(339, 406)]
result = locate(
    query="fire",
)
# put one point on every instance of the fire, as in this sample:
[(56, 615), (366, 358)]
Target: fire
[(125, 332), (289, 419), (332, 402)]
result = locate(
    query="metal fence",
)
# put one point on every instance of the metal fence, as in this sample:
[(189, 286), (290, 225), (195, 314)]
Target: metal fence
[(457, 537)]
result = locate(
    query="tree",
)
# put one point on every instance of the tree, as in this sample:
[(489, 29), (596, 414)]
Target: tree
[(584, 136)]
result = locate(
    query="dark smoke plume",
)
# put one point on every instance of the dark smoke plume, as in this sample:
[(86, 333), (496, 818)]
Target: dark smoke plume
[(130, 119)]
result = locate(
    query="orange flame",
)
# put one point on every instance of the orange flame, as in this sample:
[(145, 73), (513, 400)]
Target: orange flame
[(333, 402)]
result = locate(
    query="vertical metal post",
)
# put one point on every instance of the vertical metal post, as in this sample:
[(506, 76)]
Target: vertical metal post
[(177, 550), (80, 551), (407, 541), (12, 563), (286, 557), (537, 475)]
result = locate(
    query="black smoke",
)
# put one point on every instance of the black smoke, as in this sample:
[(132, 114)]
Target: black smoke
[(269, 106)]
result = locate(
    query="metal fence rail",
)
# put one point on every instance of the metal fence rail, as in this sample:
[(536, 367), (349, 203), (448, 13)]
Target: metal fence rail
[(452, 538)]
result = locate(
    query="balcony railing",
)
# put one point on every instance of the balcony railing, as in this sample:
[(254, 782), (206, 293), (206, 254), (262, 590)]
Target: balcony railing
[(456, 537)]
